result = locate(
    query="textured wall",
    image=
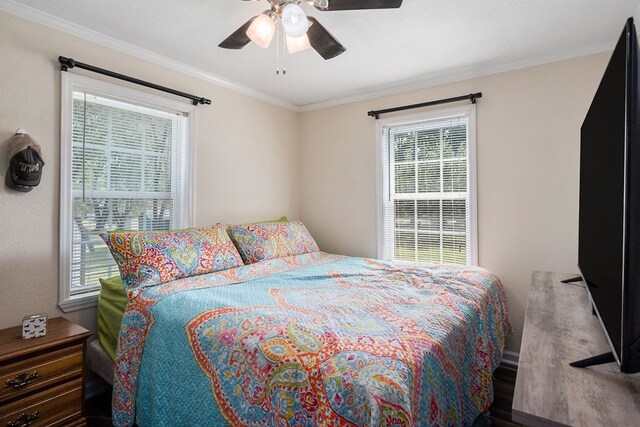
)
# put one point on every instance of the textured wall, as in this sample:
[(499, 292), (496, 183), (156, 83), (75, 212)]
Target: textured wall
[(256, 161), (528, 125), (246, 158)]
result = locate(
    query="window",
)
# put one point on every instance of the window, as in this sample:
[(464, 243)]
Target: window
[(427, 209), (124, 165)]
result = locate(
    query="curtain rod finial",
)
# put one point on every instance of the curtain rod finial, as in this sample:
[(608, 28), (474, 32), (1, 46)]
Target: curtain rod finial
[(66, 63)]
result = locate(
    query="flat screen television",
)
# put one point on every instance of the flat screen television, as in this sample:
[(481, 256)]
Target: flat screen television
[(609, 230)]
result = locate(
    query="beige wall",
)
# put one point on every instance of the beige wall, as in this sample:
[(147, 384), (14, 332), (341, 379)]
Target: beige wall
[(528, 125), (246, 160), (255, 161)]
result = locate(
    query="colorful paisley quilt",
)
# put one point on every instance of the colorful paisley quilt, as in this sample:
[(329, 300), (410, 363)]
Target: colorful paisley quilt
[(313, 340)]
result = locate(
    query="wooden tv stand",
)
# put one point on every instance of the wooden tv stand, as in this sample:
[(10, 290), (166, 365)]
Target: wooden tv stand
[(559, 328)]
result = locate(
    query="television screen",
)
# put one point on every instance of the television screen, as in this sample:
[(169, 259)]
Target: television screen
[(609, 232), (602, 175)]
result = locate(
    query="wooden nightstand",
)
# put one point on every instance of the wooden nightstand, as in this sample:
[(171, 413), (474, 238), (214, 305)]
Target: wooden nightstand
[(42, 379)]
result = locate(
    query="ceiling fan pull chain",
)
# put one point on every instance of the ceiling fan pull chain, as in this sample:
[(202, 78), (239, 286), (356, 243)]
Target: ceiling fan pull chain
[(278, 51), (283, 48)]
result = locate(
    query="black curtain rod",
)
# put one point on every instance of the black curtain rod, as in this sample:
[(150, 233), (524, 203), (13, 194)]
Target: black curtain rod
[(471, 96), (66, 63)]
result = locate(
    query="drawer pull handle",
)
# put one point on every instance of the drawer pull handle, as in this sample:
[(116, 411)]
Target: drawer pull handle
[(21, 380), (24, 419)]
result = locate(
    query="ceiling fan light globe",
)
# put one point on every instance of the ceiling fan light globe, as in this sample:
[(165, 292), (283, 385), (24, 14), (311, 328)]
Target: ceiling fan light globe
[(261, 30), (294, 20), (298, 44)]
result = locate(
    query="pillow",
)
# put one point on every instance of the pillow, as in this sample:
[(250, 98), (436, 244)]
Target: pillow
[(281, 219), (150, 258), (259, 242)]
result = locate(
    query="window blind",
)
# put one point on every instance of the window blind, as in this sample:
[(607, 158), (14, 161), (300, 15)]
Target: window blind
[(426, 197), (125, 175)]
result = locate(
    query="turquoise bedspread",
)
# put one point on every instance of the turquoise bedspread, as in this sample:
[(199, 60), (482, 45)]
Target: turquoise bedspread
[(314, 339)]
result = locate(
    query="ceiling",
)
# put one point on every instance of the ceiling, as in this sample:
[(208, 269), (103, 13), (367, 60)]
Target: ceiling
[(425, 42)]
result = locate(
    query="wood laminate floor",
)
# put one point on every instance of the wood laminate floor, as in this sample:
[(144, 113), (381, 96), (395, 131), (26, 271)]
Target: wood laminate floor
[(504, 382), (98, 409)]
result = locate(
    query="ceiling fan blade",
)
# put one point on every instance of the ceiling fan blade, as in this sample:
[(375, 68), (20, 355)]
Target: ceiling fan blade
[(361, 4), (322, 41), (239, 38)]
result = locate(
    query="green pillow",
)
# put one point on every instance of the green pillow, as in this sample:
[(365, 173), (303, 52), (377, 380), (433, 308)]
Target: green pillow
[(112, 302), (281, 219)]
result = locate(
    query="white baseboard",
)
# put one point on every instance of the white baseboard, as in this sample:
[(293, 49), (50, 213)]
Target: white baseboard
[(510, 358)]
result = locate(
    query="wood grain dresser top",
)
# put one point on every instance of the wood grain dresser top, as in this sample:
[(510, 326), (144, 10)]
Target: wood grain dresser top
[(59, 332)]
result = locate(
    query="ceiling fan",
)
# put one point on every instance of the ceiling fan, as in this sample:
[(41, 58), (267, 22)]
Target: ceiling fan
[(301, 31)]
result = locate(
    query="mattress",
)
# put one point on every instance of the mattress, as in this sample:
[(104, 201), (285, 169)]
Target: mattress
[(112, 302), (99, 361), (314, 339)]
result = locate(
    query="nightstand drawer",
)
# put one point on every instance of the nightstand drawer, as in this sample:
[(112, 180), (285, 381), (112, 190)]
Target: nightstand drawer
[(19, 378), (53, 407)]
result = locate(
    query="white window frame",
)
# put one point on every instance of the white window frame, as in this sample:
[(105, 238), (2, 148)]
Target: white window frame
[(69, 83), (468, 110)]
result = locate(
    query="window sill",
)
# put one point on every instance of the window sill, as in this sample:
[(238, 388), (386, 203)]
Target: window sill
[(79, 302)]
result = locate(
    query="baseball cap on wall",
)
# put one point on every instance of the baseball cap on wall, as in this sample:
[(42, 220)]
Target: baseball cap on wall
[(25, 162)]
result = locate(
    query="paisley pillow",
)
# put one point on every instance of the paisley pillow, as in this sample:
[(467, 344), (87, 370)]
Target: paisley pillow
[(147, 258), (259, 242)]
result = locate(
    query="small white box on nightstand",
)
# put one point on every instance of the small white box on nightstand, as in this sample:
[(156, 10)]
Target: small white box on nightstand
[(34, 326)]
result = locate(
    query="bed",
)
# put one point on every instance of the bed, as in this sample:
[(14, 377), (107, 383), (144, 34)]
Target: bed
[(268, 330), (312, 339)]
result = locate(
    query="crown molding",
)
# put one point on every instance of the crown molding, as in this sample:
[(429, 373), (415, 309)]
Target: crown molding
[(85, 33), (460, 74), (424, 82)]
